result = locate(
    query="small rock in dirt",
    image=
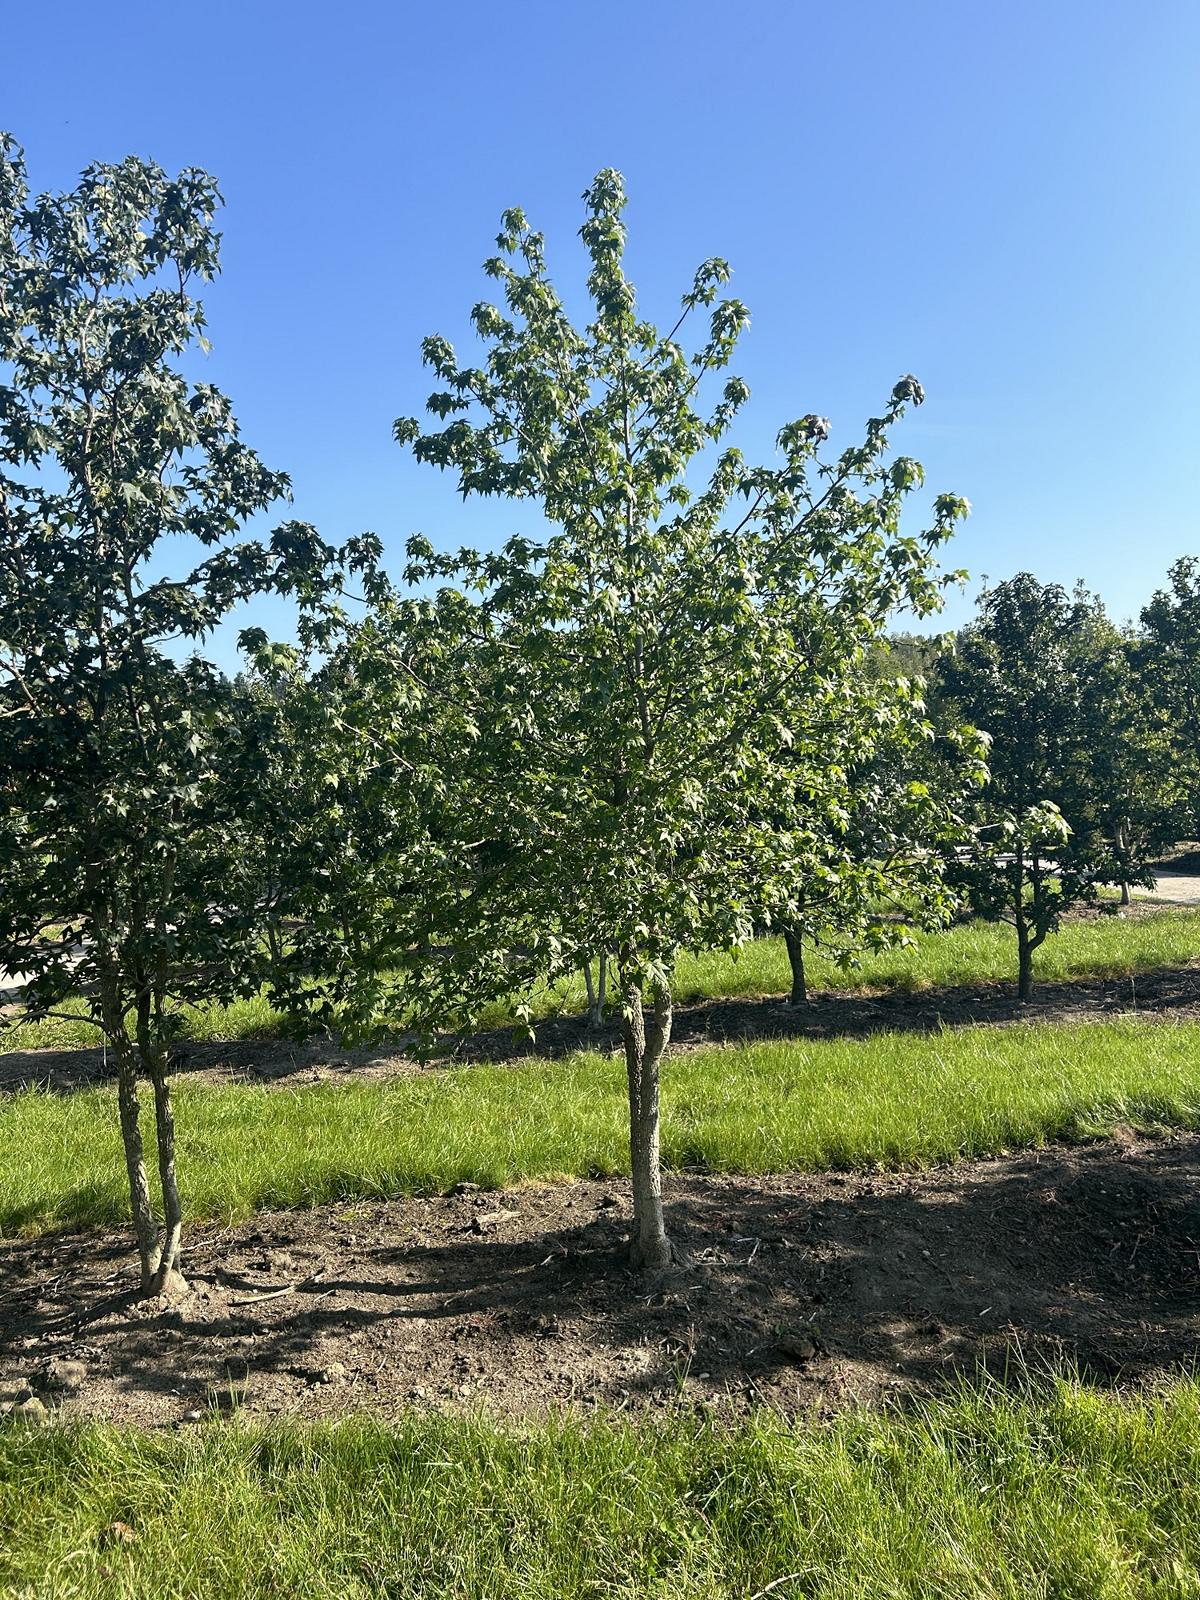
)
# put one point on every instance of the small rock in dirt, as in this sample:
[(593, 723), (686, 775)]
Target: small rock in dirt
[(29, 1409), (797, 1347), (66, 1375), (490, 1219), (607, 1202)]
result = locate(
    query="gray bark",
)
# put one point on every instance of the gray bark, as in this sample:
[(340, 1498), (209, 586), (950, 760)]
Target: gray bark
[(1024, 967), (596, 991), (168, 1279), (1025, 942), (145, 1227), (153, 1058), (645, 1040)]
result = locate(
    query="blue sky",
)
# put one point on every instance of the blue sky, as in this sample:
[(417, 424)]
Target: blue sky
[(999, 198)]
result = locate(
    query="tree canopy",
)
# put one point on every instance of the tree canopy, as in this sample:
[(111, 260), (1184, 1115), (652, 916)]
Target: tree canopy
[(127, 763), (634, 733)]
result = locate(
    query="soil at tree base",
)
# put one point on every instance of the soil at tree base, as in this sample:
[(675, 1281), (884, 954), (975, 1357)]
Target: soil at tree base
[(806, 1293)]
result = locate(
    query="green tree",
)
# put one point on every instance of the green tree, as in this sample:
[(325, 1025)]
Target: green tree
[(1168, 660), (1128, 752), (603, 722), (880, 859), (126, 768), (1020, 672)]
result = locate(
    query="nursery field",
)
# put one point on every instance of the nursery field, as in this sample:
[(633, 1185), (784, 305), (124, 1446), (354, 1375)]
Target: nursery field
[(930, 1331)]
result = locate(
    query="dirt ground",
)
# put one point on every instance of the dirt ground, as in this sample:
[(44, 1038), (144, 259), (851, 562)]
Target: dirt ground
[(803, 1292)]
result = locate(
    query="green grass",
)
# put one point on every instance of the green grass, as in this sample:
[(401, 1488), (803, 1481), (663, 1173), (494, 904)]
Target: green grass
[(776, 1106), (1102, 947), (253, 1018), (977, 952), (1058, 1492)]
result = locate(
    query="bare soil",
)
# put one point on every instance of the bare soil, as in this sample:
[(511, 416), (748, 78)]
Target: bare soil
[(804, 1292), (1171, 993)]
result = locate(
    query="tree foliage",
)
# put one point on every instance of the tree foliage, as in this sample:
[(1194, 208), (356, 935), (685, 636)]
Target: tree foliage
[(127, 765), (1168, 669), (635, 733), (1031, 672)]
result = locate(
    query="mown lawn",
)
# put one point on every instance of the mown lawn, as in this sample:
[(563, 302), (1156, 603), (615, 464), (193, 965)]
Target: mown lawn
[(1057, 1492), (777, 1106), (974, 953)]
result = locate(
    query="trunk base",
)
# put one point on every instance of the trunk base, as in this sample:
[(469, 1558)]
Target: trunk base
[(655, 1256), (165, 1288), (171, 1288)]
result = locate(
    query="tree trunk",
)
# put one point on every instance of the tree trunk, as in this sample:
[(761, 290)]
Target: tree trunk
[(1021, 923), (145, 1227), (1122, 859), (274, 949), (596, 991), (153, 1059), (795, 950), (1024, 965), (168, 1279), (645, 1041)]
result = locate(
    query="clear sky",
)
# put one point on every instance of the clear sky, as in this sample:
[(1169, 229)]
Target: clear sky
[(1001, 198)]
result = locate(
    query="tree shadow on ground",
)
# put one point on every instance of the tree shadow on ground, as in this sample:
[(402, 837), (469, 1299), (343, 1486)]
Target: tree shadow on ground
[(801, 1292), (1165, 992), (1168, 992)]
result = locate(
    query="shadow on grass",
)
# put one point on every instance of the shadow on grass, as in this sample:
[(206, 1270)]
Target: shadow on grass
[(808, 1290), (86, 1205), (1167, 993)]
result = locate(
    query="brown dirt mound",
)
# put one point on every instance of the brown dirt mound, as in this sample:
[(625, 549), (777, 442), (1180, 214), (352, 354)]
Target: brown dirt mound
[(802, 1292)]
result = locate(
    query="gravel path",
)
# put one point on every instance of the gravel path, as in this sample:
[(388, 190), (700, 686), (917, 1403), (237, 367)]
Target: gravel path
[(1174, 888)]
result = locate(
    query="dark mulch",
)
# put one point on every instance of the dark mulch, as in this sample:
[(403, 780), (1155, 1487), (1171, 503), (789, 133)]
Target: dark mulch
[(804, 1292)]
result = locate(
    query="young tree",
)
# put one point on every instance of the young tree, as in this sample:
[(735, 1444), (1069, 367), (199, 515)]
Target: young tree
[(126, 771), (1020, 673), (607, 716)]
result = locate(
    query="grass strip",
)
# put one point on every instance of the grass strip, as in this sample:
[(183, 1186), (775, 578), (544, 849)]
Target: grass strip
[(774, 1106), (988, 1494), (979, 952)]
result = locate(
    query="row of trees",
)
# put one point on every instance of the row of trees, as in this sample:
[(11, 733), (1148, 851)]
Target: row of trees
[(1092, 753), (668, 723)]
